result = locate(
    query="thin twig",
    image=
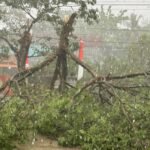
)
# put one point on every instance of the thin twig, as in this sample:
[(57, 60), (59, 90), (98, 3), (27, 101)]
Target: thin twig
[(26, 73), (84, 65)]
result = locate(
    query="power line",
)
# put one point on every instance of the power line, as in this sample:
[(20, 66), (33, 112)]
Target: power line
[(124, 4), (134, 9), (97, 40), (118, 30), (113, 4), (108, 42), (142, 1), (97, 29)]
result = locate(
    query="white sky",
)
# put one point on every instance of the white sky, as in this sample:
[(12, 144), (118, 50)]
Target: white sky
[(139, 7), (133, 6)]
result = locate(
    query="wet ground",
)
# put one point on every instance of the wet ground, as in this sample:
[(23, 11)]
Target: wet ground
[(43, 143)]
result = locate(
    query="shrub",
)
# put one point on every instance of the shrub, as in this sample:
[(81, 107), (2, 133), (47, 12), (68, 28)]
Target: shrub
[(16, 122), (93, 126), (85, 122)]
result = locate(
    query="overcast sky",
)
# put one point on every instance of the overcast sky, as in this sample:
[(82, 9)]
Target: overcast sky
[(139, 7), (133, 6)]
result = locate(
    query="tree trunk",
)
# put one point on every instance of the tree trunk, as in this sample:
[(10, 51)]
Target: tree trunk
[(22, 54), (56, 73), (61, 69), (64, 71)]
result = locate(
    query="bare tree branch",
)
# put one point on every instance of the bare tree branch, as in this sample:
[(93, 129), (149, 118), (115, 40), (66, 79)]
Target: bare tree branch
[(133, 75), (27, 12), (13, 48), (125, 88), (26, 73), (84, 65), (88, 84), (104, 79)]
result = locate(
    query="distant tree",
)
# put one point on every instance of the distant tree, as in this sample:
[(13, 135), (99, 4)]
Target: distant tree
[(139, 53), (134, 21)]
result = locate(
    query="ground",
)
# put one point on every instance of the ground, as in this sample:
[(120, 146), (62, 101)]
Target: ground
[(43, 143)]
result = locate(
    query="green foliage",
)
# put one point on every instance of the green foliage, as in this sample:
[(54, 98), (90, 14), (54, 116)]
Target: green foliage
[(4, 51), (90, 125), (15, 123), (51, 113), (139, 53), (113, 65), (84, 122)]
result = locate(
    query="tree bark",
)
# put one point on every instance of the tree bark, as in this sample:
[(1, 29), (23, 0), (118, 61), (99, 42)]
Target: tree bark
[(56, 73), (64, 71), (61, 69), (22, 53)]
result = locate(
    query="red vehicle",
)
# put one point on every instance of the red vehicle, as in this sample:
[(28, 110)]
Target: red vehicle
[(7, 69)]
